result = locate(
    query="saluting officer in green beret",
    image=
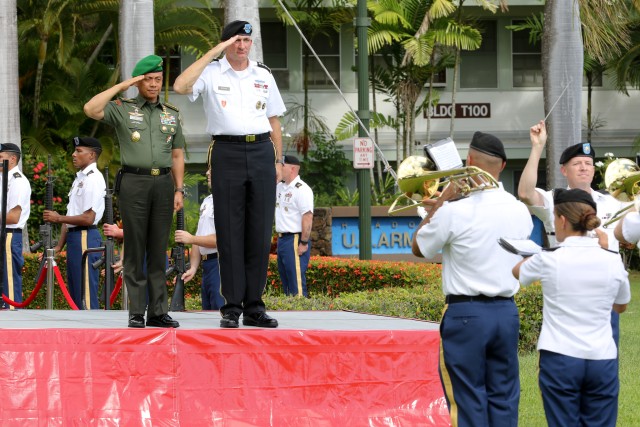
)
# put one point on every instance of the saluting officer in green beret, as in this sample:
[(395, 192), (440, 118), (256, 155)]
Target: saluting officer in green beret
[(149, 183)]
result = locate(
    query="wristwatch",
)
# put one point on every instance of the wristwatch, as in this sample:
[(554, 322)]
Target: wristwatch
[(280, 160), (179, 190), (304, 242)]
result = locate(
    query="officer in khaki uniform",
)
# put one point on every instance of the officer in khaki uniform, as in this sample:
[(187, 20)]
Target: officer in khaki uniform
[(149, 184)]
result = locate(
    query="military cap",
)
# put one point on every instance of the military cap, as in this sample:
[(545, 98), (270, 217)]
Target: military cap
[(584, 149), (9, 147), (291, 160), (148, 64), (85, 141), (488, 144), (236, 27), (561, 195)]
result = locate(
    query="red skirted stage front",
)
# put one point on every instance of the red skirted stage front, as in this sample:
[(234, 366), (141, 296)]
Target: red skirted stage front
[(70, 368)]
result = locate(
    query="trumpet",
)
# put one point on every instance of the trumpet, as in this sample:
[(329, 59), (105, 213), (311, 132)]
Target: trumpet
[(419, 180), (621, 180)]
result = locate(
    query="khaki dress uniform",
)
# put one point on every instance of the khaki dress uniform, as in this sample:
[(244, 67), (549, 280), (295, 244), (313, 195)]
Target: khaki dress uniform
[(147, 134)]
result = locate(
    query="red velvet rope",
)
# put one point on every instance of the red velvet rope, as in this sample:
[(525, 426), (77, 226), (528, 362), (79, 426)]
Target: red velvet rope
[(43, 272), (116, 289)]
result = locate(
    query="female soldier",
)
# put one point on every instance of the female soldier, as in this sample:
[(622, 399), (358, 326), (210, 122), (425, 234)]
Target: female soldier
[(581, 282)]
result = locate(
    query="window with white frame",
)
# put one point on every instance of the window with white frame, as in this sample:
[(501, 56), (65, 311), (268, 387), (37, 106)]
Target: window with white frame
[(479, 68), (526, 59), (274, 51), (327, 47)]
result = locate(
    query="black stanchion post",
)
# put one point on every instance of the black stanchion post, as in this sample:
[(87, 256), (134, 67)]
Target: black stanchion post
[(3, 222)]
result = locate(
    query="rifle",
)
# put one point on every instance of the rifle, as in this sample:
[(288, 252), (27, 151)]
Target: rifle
[(179, 266), (46, 239), (108, 258)]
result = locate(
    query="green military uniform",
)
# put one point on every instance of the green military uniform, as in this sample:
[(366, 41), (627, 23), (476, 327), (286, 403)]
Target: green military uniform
[(147, 134)]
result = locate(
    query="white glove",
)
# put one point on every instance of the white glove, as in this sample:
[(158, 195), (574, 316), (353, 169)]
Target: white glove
[(422, 212)]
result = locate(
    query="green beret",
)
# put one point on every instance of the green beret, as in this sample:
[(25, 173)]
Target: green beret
[(148, 64)]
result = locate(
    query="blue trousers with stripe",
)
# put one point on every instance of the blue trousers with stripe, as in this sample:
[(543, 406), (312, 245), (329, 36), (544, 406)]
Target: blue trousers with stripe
[(13, 263), (578, 392), (77, 243), (479, 367), (293, 268), (211, 297)]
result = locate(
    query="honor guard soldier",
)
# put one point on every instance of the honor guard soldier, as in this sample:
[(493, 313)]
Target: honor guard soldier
[(480, 324), (242, 104), (204, 249), (17, 214), (581, 283), (294, 217), (577, 165), (79, 230), (149, 185)]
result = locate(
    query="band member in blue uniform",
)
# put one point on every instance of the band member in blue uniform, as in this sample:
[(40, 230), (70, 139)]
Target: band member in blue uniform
[(17, 214), (480, 325), (581, 284), (204, 249), (79, 230), (294, 217), (242, 105)]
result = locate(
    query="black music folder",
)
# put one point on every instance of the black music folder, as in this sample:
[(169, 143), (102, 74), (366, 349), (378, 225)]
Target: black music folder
[(444, 154)]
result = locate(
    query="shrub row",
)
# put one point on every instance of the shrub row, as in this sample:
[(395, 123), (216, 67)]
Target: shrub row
[(402, 289)]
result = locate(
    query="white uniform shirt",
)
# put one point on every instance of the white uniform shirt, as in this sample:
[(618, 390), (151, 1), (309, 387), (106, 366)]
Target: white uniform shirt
[(292, 201), (206, 224), (607, 206), (238, 103), (580, 283), (87, 192), (18, 194), (467, 231), (631, 227)]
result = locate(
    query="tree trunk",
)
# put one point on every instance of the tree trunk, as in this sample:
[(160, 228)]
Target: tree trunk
[(136, 36), (246, 10), (562, 65), (10, 108)]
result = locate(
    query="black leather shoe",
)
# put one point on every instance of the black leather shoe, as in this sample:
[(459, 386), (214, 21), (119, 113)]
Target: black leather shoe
[(230, 320), (162, 321), (260, 319), (136, 321)]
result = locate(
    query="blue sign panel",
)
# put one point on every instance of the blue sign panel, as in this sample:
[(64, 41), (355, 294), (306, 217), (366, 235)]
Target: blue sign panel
[(389, 235)]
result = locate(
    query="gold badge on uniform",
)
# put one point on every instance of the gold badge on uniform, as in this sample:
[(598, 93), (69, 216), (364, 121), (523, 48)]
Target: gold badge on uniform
[(135, 136), (164, 128), (258, 105)]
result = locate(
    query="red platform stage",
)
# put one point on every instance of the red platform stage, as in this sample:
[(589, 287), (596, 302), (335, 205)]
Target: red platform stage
[(85, 368)]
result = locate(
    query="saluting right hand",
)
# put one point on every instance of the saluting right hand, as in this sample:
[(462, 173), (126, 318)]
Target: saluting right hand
[(538, 134), (130, 82)]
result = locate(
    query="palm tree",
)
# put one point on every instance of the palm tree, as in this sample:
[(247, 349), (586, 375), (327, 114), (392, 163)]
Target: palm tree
[(315, 20), (136, 36), (417, 27), (246, 10), (604, 25), (9, 109), (47, 20)]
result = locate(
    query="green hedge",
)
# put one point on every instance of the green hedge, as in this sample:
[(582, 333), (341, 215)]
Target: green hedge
[(403, 289)]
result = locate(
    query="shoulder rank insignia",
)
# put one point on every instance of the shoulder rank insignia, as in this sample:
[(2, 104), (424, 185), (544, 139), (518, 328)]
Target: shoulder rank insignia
[(298, 185), (129, 100), (261, 65), (609, 250), (17, 175), (173, 107), (90, 172), (551, 249)]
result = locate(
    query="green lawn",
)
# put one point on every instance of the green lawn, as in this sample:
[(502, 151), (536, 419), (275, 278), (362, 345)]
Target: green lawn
[(531, 412)]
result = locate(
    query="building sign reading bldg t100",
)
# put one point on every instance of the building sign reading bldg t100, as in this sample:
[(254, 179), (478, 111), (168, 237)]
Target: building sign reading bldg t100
[(463, 111)]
